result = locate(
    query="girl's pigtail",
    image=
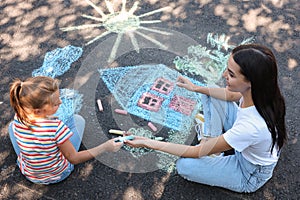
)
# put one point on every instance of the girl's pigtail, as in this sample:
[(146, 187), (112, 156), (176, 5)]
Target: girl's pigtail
[(15, 101)]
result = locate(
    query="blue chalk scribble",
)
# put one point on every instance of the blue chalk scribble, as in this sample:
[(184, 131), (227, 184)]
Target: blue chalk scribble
[(58, 61), (71, 103)]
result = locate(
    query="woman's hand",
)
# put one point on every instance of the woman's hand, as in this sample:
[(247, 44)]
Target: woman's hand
[(185, 83), (138, 141)]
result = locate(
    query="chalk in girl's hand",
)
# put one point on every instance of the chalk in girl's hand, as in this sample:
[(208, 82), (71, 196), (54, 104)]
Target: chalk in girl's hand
[(122, 139), (122, 112), (153, 128), (117, 132), (100, 107)]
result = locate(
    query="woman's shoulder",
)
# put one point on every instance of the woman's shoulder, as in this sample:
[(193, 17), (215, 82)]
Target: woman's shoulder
[(249, 112), (250, 119)]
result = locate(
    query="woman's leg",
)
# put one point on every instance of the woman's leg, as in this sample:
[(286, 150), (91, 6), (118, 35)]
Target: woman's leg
[(13, 139), (76, 124), (221, 171), (219, 115), (232, 172)]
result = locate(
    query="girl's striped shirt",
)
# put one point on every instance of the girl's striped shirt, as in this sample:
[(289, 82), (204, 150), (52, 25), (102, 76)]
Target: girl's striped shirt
[(40, 159)]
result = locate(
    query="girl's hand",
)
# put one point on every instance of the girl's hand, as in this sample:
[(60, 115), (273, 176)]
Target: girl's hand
[(113, 146), (137, 142), (185, 83)]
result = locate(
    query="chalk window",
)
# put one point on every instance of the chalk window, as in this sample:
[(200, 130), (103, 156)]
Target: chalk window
[(163, 86), (150, 102), (182, 104)]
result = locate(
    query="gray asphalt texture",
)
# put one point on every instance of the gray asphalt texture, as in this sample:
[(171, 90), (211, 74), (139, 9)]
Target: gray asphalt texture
[(31, 28)]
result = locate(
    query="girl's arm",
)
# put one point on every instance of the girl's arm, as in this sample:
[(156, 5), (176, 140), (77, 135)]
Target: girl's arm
[(206, 147), (219, 93), (75, 157)]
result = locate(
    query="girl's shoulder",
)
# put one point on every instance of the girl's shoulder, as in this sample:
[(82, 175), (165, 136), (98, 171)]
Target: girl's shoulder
[(47, 122), (52, 117)]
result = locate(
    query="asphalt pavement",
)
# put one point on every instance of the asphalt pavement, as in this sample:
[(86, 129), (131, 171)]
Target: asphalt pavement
[(30, 29)]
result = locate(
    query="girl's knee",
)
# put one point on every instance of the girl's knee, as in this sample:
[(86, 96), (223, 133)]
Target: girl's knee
[(79, 123), (79, 118)]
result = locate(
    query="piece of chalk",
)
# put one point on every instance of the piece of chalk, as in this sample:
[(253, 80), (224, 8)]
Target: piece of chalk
[(100, 107), (118, 132), (122, 139), (122, 112), (200, 117), (153, 128)]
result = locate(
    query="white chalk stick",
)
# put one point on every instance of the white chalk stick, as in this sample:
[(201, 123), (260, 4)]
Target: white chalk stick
[(100, 107), (122, 112), (153, 128), (118, 132)]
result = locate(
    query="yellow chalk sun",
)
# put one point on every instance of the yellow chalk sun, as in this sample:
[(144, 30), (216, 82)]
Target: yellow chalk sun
[(121, 22)]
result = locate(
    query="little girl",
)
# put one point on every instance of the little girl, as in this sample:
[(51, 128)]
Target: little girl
[(47, 149)]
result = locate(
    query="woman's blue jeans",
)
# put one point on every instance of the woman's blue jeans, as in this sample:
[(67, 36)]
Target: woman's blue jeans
[(232, 172)]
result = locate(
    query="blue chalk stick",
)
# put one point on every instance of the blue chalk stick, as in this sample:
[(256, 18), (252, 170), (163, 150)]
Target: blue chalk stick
[(121, 139)]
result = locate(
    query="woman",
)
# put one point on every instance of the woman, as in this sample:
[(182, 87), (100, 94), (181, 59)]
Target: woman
[(255, 129)]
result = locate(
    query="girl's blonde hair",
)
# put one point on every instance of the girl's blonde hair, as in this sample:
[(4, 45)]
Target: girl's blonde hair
[(33, 93)]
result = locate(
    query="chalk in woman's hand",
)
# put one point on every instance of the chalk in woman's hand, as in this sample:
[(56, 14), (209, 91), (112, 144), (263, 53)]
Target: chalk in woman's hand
[(122, 112), (100, 107), (117, 132), (153, 128)]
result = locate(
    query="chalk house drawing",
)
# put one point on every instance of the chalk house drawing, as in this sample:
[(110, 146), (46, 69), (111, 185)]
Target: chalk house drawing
[(154, 98)]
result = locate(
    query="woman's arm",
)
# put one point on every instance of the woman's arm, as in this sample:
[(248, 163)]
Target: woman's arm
[(75, 157), (206, 147), (219, 93)]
